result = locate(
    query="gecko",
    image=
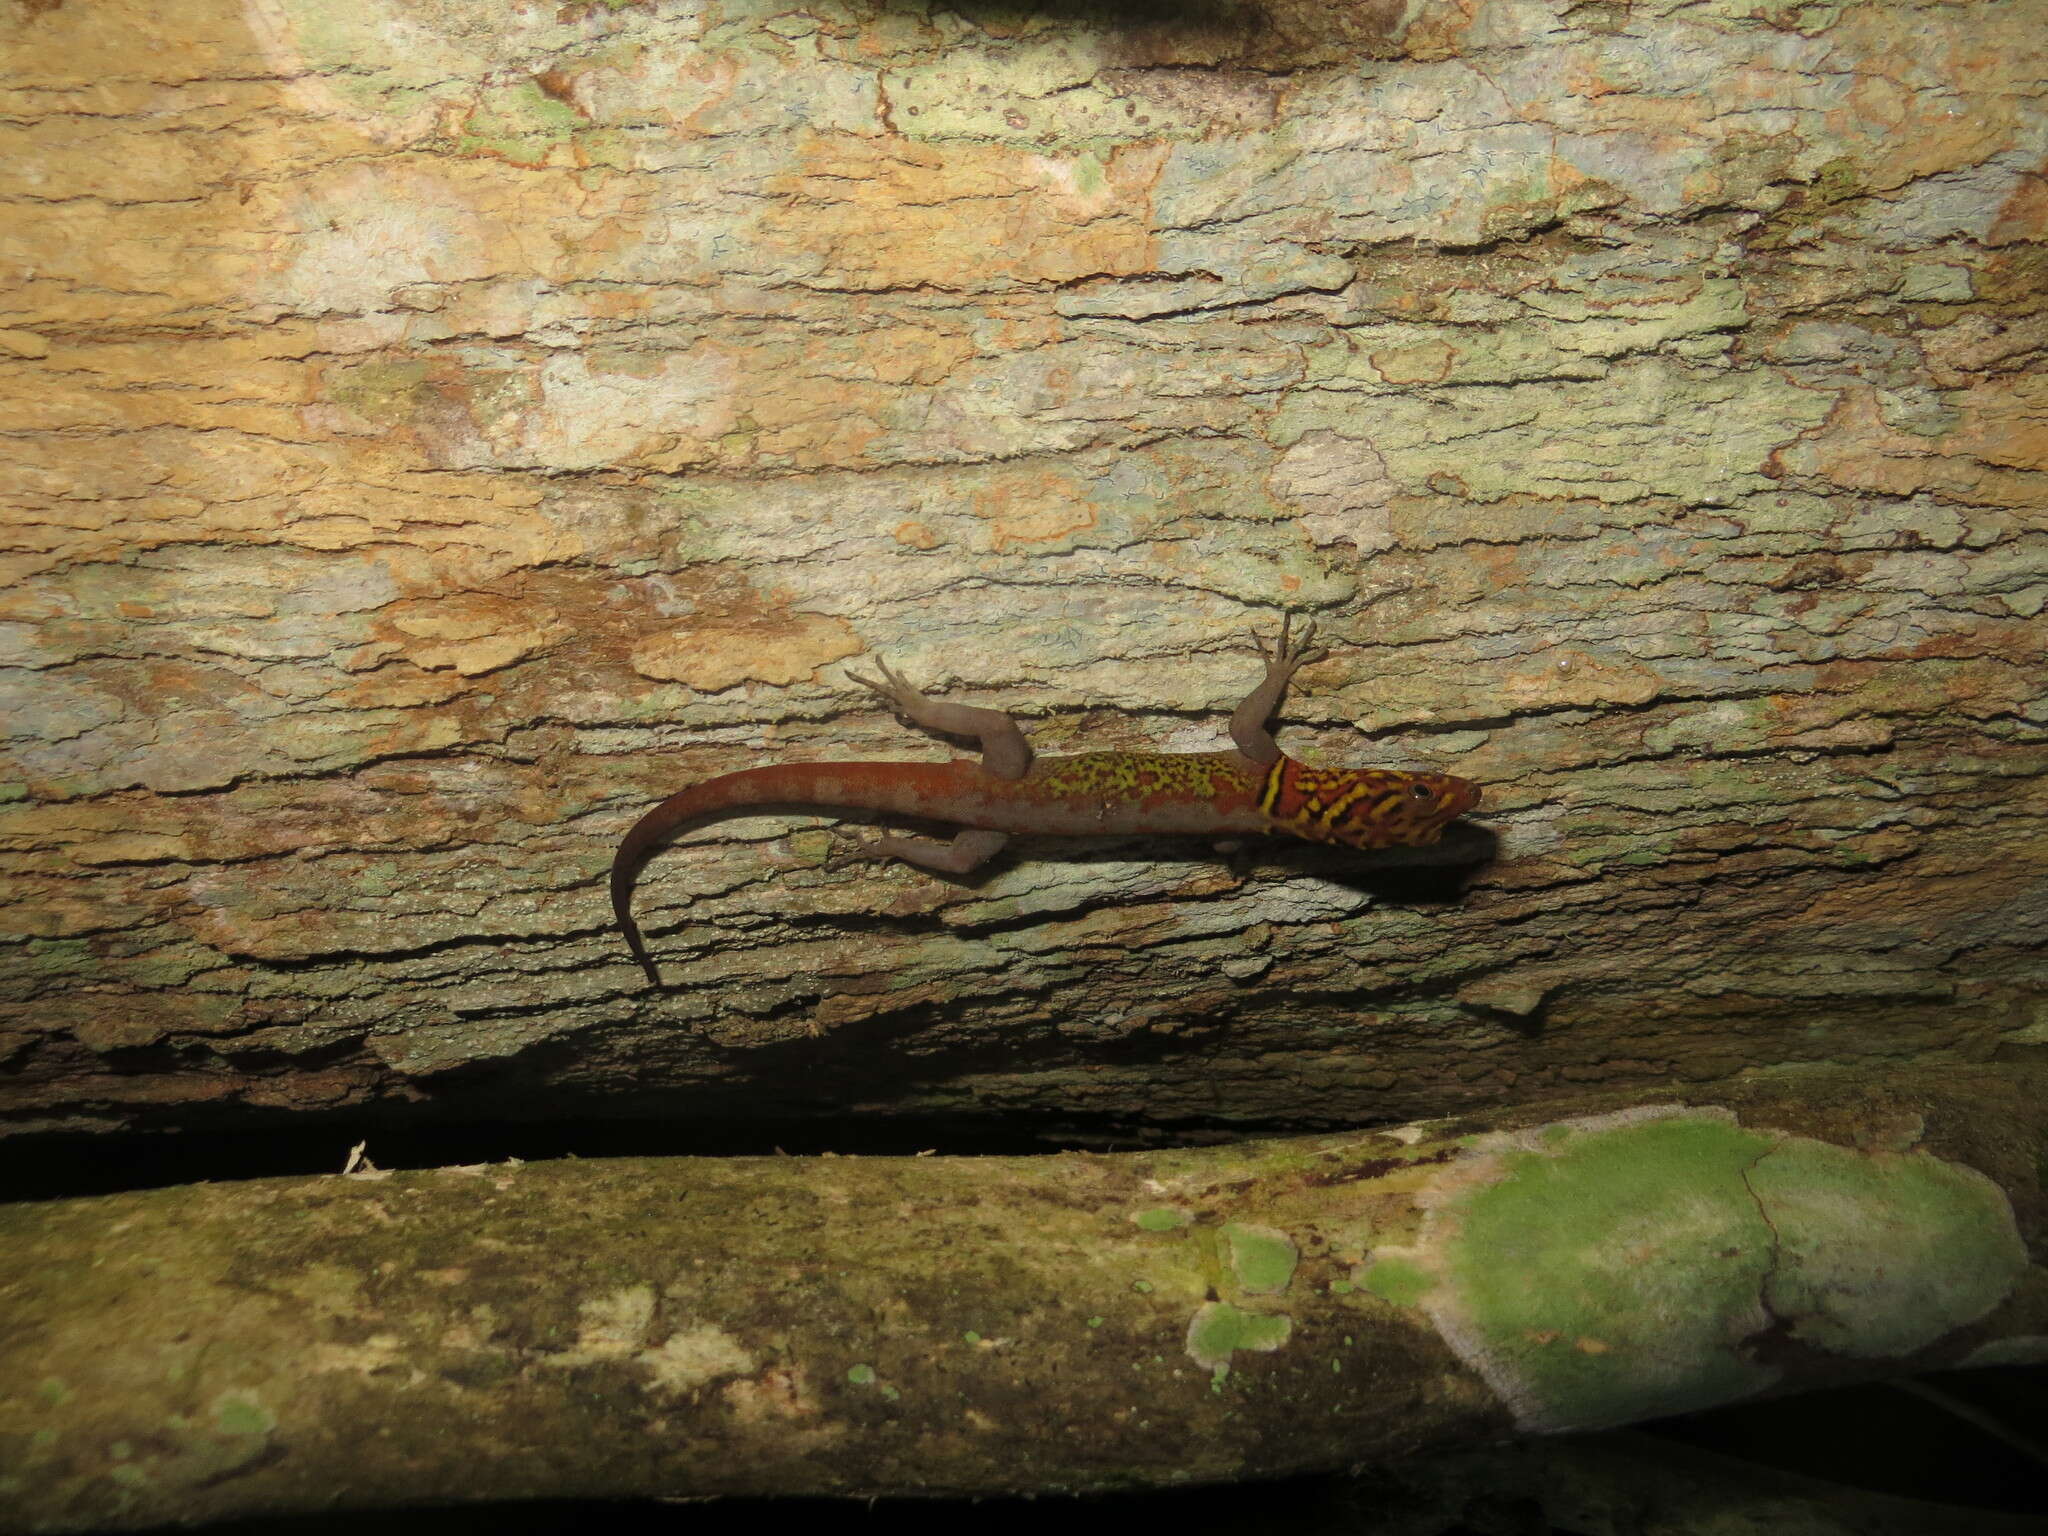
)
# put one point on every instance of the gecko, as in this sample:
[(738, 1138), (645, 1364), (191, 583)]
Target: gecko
[(1255, 788)]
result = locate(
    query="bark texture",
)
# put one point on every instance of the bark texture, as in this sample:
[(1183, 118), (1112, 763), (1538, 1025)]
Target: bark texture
[(974, 1326), (438, 429)]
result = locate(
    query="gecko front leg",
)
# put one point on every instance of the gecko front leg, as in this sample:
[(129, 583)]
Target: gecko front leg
[(1248, 721)]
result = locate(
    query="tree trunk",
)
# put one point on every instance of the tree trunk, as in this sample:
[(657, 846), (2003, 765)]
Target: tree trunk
[(988, 1325), (437, 436)]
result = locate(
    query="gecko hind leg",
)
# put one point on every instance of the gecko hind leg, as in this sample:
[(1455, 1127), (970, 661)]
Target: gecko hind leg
[(1288, 656), (1004, 751), (966, 851)]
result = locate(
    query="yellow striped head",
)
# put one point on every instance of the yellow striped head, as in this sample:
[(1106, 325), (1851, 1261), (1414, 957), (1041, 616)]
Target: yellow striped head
[(1363, 807)]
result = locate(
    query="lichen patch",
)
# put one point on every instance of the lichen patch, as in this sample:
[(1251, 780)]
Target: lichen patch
[(692, 1356), (1620, 1267)]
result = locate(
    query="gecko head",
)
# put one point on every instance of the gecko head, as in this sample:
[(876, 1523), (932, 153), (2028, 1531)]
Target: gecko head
[(1375, 808)]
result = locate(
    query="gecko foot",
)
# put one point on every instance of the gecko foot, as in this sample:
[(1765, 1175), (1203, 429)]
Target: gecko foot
[(891, 688), (1291, 654)]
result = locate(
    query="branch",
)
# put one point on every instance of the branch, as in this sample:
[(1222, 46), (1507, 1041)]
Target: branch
[(850, 1326)]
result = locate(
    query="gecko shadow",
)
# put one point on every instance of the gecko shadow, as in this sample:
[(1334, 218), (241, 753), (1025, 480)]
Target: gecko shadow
[(1170, 16), (855, 1060), (1434, 874), (1206, 38), (659, 1090)]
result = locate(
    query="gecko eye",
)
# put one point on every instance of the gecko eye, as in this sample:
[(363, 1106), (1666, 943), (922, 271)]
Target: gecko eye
[(1419, 791)]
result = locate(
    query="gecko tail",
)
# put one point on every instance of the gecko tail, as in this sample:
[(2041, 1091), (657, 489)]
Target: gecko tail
[(638, 945), (748, 789), (647, 834), (625, 865), (906, 788)]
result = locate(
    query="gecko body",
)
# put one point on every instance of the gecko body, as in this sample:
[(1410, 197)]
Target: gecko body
[(1253, 789)]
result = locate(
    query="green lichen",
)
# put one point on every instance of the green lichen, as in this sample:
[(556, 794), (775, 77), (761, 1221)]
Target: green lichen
[(1262, 1258), (1880, 1255), (1612, 1276), (174, 967), (241, 1413), (1748, 419), (61, 957), (520, 123), (378, 879), (1838, 181), (1397, 1280), (1617, 1269), (1220, 1329), (1160, 1219), (813, 845)]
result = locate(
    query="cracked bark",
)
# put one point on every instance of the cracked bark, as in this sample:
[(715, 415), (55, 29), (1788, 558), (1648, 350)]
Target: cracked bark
[(419, 474), (854, 1326)]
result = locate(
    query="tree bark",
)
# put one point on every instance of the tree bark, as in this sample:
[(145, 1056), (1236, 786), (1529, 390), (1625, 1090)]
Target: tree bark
[(435, 437), (1001, 1325)]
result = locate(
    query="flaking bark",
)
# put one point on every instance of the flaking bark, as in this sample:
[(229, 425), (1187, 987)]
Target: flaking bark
[(436, 436)]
